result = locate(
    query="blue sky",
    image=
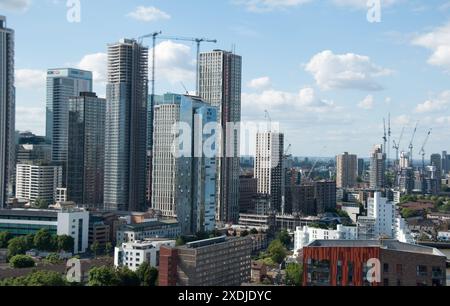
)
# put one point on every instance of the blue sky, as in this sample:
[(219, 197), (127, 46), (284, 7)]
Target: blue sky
[(322, 70)]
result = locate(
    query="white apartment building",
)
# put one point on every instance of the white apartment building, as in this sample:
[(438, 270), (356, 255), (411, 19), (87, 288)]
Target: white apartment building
[(75, 223), (269, 166), (37, 182), (134, 254), (305, 235), (382, 221)]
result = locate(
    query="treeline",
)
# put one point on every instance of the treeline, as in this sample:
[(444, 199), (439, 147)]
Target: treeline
[(98, 276), (43, 240)]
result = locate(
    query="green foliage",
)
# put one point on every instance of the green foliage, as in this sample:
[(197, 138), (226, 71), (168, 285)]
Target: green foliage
[(21, 261), (277, 251), (284, 238), (408, 213), (445, 208), (65, 243), (4, 238), (40, 203), (37, 278), (95, 247), (318, 225), (180, 241), (17, 245), (253, 231), (294, 274), (408, 198), (43, 241), (53, 259), (108, 248), (127, 278), (147, 275), (244, 233), (103, 276)]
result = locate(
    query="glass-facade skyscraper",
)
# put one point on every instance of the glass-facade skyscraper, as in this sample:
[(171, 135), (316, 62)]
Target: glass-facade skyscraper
[(184, 176), (126, 126), (61, 85), (7, 112), (85, 159), (220, 85)]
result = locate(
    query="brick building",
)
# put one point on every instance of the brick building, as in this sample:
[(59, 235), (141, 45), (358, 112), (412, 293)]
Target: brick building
[(218, 261), (345, 263)]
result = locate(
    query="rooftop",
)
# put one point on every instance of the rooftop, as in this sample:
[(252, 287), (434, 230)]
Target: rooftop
[(387, 244)]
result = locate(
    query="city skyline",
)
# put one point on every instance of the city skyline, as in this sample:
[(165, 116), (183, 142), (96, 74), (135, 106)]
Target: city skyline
[(337, 88)]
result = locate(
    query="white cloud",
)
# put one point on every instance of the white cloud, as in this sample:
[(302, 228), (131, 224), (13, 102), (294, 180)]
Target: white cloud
[(436, 104), (174, 62), (269, 5), (30, 119), (345, 71), (148, 14), (438, 42), (305, 100), (29, 78), (367, 103), (97, 63), (362, 4), (260, 83), (401, 120), (15, 5)]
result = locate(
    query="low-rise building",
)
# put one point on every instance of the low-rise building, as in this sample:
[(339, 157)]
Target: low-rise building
[(443, 236), (71, 222), (219, 261), (305, 235), (348, 262), (134, 254), (169, 228)]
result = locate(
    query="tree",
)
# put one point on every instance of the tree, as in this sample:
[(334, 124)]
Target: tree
[(284, 238), (65, 243), (277, 251), (253, 231), (36, 278), (108, 248), (43, 240), (95, 247), (103, 276), (5, 237), (40, 203), (180, 241), (244, 233), (16, 246), (127, 278), (408, 213), (21, 261), (147, 275), (294, 273)]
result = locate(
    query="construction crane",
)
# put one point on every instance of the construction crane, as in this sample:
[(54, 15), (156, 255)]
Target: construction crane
[(314, 165), (396, 146), (153, 35), (411, 146), (384, 135), (286, 152), (422, 150), (198, 41), (389, 142)]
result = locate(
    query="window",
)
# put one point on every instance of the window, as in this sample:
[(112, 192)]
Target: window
[(386, 282), (422, 271), (399, 283), (386, 268), (399, 268), (350, 273)]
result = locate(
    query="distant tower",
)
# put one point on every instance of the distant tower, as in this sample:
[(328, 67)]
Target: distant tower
[(61, 85), (269, 166), (377, 168), (184, 179), (220, 75), (126, 126), (346, 170), (7, 112), (86, 155)]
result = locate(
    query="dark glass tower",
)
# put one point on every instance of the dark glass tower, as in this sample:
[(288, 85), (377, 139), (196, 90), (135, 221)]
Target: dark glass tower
[(85, 162)]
